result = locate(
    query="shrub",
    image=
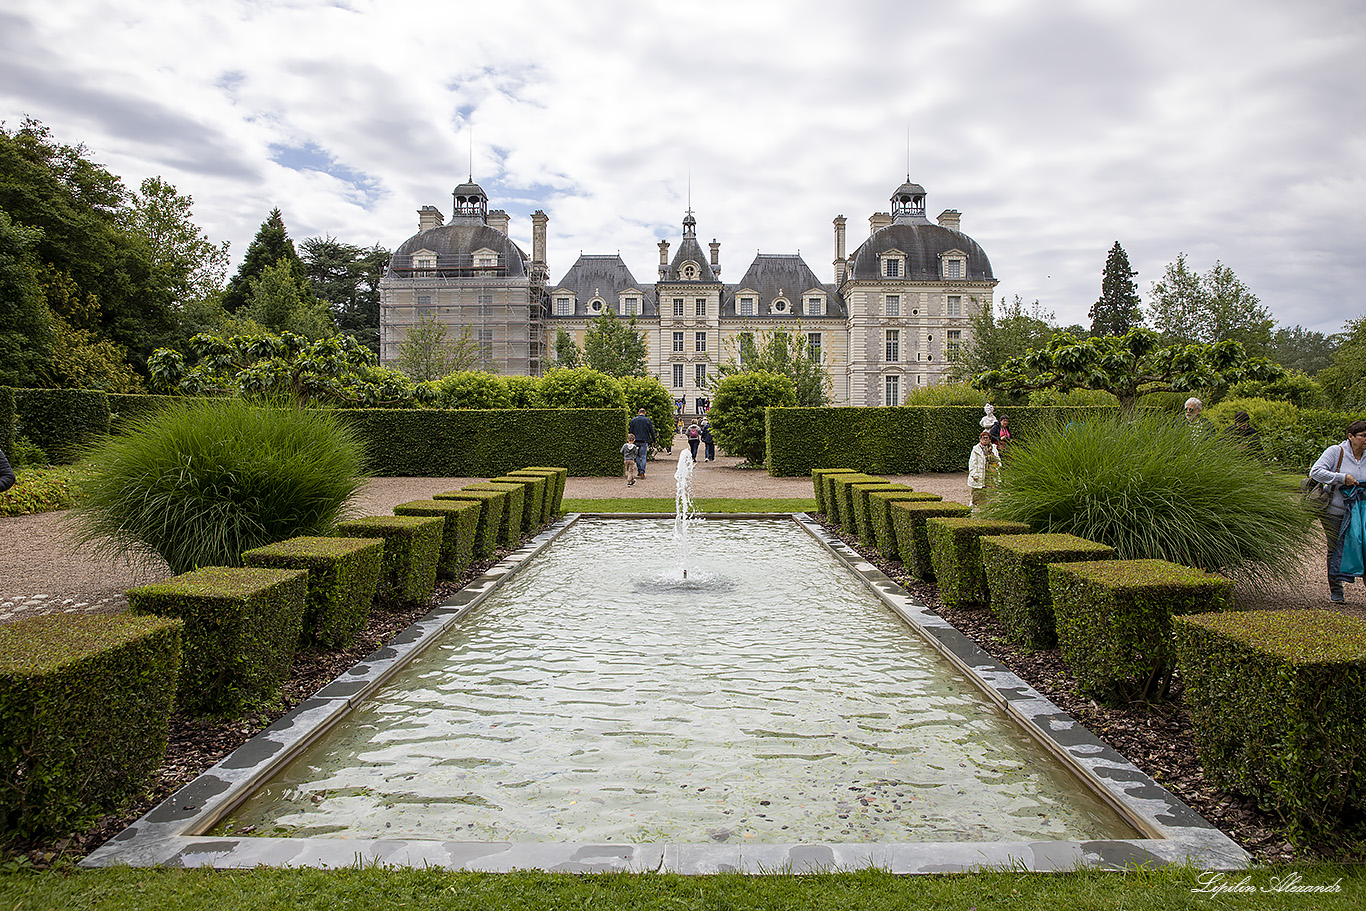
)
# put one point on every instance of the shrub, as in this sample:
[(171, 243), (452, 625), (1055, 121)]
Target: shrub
[(43, 490), (343, 576), (1149, 488), (737, 411), (1113, 619), (862, 521), (818, 484), (510, 528), (24, 453), (1015, 567), (908, 521), (960, 393), (84, 707), (492, 505), (649, 393), (199, 483), (584, 387), (6, 418), (1073, 398), (1278, 703), (880, 516), (473, 389), (459, 531), (1295, 386), (560, 475), (533, 503), (1265, 414), (241, 627), (412, 548), (62, 422), (524, 391), (546, 494), (956, 555), (837, 508)]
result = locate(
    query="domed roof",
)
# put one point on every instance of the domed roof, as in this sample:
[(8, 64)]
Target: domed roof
[(908, 190), (455, 243), (923, 244), (470, 188)]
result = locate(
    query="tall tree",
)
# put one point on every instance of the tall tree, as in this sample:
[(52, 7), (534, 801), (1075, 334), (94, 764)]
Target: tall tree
[(996, 338), (1117, 311), (25, 321), (279, 302), (185, 261), (1345, 379), (615, 347), (1302, 349), (567, 352), (346, 277), (270, 245), (428, 352), (1190, 308), (783, 352)]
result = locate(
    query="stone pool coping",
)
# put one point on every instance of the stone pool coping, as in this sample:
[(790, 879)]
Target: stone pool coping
[(169, 834)]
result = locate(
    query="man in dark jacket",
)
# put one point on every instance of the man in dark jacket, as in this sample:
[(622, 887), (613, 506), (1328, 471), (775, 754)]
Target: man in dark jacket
[(6, 473), (645, 436)]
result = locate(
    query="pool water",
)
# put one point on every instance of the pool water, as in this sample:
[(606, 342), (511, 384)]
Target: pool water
[(601, 697)]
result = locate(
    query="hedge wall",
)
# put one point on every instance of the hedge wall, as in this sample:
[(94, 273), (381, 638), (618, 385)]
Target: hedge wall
[(6, 419), (482, 444), (901, 440), (62, 422), (124, 409)]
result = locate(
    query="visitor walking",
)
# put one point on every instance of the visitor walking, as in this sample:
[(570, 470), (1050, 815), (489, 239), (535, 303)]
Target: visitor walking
[(6, 473), (1339, 466), (628, 458), (707, 439), (984, 469), (694, 437), (644, 432)]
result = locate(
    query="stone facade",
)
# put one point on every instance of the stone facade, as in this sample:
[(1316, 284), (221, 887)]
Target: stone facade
[(887, 323)]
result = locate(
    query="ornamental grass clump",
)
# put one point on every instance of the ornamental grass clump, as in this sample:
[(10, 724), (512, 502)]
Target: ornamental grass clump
[(200, 482), (1149, 488)]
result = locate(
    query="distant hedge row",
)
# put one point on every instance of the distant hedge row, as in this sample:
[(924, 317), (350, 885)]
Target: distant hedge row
[(901, 440)]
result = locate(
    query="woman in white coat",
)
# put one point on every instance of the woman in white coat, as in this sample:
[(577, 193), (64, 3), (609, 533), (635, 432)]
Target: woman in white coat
[(984, 469)]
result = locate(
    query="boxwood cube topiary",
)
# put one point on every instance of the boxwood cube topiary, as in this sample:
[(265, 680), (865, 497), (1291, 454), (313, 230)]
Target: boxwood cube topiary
[(343, 576), (1016, 571), (1278, 703), (908, 521), (510, 528), (956, 555), (242, 624), (546, 494), (533, 491), (862, 521), (460, 530), (880, 516), (492, 504), (840, 503), (1114, 619), (412, 550), (818, 484), (561, 475), (84, 707)]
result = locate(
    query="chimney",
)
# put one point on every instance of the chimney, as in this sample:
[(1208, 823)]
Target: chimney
[(715, 257), (498, 220), (840, 263), (878, 220), (429, 217), (663, 260), (539, 220), (950, 218)]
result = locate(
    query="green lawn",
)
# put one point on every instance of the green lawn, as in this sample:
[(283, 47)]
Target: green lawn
[(663, 504), (266, 889)]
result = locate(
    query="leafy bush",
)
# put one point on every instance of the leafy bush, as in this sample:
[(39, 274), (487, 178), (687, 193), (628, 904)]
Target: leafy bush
[(62, 421), (473, 389), (1294, 448), (1073, 398), (201, 482), (1265, 414), (961, 393), (525, 391), (27, 454), (582, 387), (649, 393), (1295, 387), (43, 490), (1150, 488), (737, 411)]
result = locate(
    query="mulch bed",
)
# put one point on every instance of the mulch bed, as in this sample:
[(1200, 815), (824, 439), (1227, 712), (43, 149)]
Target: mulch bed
[(1156, 737)]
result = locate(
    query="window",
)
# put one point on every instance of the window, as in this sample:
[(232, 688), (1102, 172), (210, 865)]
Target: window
[(894, 305), (690, 272), (746, 306), (699, 375), (953, 268), (595, 305), (744, 346), (678, 376), (952, 342), (953, 306), (678, 343), (780, 305), (892, 390), (678, 306), (699, 341), (564, 306), (891, 268), (699, 307), (485, 304), (893, 345), (424, 300), (632, 305), (815, 306), (813, 345), (485, 339)]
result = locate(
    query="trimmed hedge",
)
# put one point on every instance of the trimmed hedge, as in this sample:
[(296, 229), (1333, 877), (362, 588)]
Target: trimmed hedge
[(956, 555), (818, 484), (492, 504), (482, 444), (898, 440), (1278, 703), (546, 493), (1015, 567), (1114, 619), (861, 522), (84, 707), (880, 516), (412, 549), (126, 409), (510, 528), (241, 627), (912, 542), (533, 498), (561, 475), (61, 422), (459, 532), (343, 576), (7, 420), (839, 505)]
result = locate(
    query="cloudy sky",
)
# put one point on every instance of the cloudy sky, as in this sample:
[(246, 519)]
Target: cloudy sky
[(1230, 130)]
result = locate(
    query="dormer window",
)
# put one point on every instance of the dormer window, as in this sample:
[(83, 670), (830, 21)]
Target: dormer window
[(690, 272), (746, 306), (894, 264), (564, 306), (595, 305), (815, 306), (955, 265), (424, 260), (631, 305), (780, 306), (485, 261)]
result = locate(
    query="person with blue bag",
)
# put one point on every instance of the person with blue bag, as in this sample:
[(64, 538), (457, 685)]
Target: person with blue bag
[(1341, 469)]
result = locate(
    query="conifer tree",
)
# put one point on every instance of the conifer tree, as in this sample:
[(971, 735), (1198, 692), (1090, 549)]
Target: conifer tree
[(1118, 310), (270, 245)]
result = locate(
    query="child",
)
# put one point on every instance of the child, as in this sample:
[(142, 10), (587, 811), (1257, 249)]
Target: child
[(628, 457)]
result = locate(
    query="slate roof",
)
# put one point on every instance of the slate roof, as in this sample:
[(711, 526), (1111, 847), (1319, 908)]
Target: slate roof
[(922, 242), (455, 243), (602, 276), (690, 249), (785, 275)]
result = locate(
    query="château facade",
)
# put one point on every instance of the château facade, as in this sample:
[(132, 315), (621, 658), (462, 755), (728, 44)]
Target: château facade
[(887, 323)]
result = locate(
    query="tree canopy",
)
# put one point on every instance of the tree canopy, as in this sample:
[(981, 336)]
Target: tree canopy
[(1345, 379), (429, 351), (1119, 309), (614, 346), (1126, 366), (270, 245), (346, 278), (1214, 307), (998, 337), (785, 353)]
